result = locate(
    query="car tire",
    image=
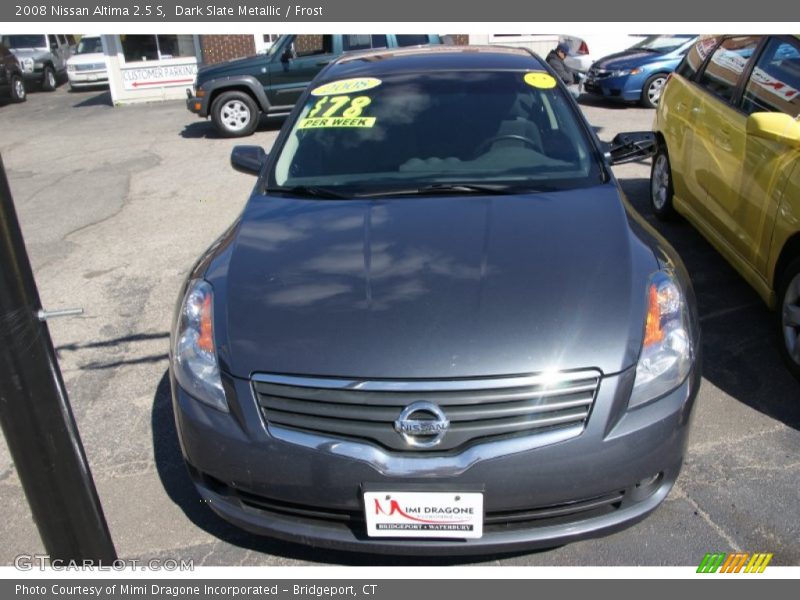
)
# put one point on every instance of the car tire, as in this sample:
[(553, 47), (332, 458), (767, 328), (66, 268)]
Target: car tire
[(49, 81), (235, 114), (661, 190), (788, 317), (18, 92), (651, 91)]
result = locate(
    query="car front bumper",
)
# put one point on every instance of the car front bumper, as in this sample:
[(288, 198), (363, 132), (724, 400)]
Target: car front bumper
[(617, 471), (87, 78), (579, 62), (625, 89), (195, 104)]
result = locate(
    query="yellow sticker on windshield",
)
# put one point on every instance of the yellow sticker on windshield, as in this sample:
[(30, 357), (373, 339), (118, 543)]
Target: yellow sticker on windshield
[(329, 122), (346, 86), (543, 81)]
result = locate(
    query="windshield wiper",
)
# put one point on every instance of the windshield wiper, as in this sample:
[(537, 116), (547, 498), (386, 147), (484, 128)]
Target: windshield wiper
[(310, 191), (449, 188)]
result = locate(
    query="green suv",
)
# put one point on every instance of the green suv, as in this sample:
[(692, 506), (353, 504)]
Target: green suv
[(234, 94)]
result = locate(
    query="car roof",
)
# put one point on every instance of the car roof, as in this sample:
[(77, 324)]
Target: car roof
[(433, 58)]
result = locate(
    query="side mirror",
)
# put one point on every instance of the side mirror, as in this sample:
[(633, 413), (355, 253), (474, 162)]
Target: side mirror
[(248, 159), (778, 127), (632, 146)]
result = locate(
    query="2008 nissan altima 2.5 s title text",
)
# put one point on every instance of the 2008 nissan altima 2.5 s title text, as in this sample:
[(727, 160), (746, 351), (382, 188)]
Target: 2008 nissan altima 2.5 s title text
[(437, 327)]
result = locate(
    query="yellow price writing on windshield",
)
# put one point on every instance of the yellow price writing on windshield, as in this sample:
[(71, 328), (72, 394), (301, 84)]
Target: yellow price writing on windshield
[(329, 106), (346, 86)]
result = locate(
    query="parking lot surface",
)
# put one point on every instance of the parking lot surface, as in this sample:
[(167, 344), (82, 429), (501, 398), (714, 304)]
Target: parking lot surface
[(117, 203)]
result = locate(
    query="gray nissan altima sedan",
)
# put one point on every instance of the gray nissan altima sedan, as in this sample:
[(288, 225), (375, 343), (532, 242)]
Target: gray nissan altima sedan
[(437, 327)]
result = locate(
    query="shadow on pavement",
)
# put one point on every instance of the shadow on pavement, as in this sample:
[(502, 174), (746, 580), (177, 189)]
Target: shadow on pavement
[(206, 129), (740, 349), (180, 489), (101, 99)]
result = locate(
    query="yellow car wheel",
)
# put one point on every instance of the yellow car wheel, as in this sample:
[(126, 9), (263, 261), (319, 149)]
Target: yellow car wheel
[(661, 185), (789, 317)]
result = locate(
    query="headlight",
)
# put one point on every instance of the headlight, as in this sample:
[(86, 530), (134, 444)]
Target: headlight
[(27, 63), (70, 67), (667, 349), (625, 72), (195, 356)]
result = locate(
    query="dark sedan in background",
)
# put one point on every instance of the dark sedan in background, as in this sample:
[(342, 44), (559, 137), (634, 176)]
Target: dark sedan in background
[(437, 327), (12, 83), (639, 73)]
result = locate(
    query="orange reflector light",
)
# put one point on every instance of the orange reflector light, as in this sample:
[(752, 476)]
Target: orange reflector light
[(197, 106), (652, 328), (206, 340)]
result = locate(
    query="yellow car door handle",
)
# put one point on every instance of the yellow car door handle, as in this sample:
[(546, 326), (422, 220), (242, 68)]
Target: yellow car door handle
[(723, 140)]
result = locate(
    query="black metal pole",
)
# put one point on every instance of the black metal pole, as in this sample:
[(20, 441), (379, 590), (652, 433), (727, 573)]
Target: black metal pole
[(35, 413)]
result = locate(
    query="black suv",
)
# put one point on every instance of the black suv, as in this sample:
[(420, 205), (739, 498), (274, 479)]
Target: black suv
[(235, 93), (12, 84)]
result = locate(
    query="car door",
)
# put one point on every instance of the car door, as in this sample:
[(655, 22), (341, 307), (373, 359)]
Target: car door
[(678, 111), (773, 86), (296, 64), (718, 151)]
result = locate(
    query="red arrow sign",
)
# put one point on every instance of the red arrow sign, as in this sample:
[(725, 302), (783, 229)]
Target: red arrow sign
[(161, 82)]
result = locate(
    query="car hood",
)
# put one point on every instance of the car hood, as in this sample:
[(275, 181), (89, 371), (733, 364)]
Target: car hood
[(628, 59), (431, 287), (248, 66), (29, 53), (87, 59)]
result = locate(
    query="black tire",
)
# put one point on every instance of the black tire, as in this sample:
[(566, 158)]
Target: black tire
[(661, 190), (788, 317), (651, 91), (18, 93), (49, 81), (235, 114)]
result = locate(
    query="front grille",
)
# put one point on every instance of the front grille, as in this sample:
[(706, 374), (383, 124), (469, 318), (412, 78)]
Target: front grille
[(90, 67), (477, 409), (599, 73)]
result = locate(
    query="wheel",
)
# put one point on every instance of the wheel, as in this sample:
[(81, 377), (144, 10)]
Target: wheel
[(235, 114), (661, 185), (18, 93), (788, 317), (49, 79), (651, 92)]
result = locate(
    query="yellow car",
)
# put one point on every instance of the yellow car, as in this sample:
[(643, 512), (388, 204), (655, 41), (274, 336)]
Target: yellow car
[(728, 159)]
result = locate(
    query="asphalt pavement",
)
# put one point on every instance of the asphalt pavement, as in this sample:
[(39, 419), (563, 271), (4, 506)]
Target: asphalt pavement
[(117, 203)]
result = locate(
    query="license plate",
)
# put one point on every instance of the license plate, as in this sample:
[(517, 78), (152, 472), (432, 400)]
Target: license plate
[(424, 514)]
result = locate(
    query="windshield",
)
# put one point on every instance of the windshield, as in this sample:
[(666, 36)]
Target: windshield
[(662, 43), (367, 135), (24, 41), (90, 45)]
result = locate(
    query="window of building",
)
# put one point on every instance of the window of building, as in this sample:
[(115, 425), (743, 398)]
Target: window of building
[(139, 48), (727, 64)]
